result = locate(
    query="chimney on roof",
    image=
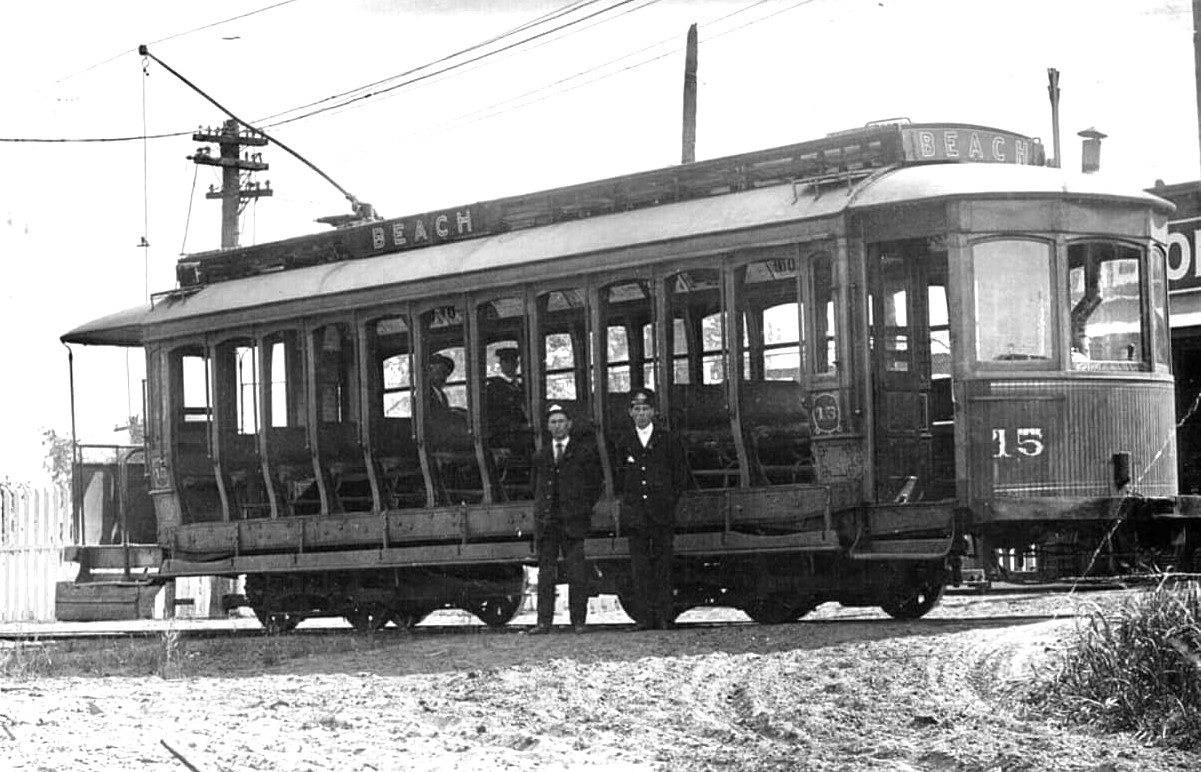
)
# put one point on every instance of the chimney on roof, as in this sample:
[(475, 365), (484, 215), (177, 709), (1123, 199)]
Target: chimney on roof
[(1090, 154)]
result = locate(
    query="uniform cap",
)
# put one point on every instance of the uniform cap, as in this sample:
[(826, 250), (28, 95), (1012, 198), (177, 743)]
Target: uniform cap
[(642, 397), (507, 353), (555, 407), (442, 359)]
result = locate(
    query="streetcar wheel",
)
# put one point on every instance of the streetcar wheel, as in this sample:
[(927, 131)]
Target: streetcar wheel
[(778, 608), (496, 611), (632, 607), (369, 618), (915, 602)]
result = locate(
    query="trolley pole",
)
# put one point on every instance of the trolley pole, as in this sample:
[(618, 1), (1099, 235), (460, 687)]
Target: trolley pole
[(232, 193), (689, 153)]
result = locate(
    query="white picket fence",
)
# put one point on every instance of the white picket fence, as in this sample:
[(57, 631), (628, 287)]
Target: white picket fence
[(35, 523)]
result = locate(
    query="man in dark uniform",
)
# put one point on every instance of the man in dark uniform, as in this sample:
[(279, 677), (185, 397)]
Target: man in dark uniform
[(567, 483), (652, 472)]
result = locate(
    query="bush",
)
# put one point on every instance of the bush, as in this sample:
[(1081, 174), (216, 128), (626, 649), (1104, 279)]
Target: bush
[(1139, 671)]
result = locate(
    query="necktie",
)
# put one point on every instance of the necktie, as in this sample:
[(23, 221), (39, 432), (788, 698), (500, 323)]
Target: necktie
[(558, 452)]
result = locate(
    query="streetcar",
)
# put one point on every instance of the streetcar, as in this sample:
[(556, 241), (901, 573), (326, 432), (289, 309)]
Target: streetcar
[(887, 351)]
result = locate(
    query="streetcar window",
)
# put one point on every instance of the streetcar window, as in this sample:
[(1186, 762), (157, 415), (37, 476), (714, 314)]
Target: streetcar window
[(823, 339), (770, 306), (236, 398), (1105, 293), (697, 336), (713, 349), (443, 327), (390, 350), (193, 466), (649, 355), (625, 308), (1013, 300), (1161, 334), (617, 355), (194, 387), (394, 360), (775, 419), (337, 375), (680, 371), (563, 337), (501, 323), (781, 337), (284, 363), (560, 367)]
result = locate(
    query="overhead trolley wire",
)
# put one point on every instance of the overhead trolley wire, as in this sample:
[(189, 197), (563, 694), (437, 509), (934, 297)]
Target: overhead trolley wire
[(172, 37), (491, 111), (427, 76), (551, 16), (417, 84), (569, 8)]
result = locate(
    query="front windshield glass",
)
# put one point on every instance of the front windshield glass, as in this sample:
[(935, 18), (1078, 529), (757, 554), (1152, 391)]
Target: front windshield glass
[(1105, 289), (1013, 300)]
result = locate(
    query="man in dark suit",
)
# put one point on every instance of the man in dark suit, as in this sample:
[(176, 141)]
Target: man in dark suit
[(567, 482), (652, 472)]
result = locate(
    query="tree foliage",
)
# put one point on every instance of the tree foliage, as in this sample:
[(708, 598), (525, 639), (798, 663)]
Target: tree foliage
[(59, 455)]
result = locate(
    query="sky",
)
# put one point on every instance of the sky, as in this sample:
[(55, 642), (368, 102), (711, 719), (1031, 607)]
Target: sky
[(538, 109)]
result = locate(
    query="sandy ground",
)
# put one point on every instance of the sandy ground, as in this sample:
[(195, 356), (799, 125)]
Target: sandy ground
[(846, 689)]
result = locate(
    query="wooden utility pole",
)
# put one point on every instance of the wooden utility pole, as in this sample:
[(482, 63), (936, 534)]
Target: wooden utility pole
[(1197, 62), (689, 154), (232, 193), (1053, 93)]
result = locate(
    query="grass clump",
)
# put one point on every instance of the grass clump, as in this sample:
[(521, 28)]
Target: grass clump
[(1138, 670)]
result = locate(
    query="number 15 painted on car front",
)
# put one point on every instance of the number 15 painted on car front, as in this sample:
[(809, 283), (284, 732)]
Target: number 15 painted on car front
[(1026, 442)]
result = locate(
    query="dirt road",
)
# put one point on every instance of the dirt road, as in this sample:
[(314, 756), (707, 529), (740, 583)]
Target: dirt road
[(847, 689)]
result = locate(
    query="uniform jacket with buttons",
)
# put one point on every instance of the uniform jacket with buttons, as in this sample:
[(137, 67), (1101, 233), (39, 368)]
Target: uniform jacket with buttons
[(650, 479), (565, 494)]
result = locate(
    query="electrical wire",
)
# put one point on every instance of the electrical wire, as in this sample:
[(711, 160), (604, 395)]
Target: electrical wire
[(426, 76), (496, 38), (183, 247), (477, 65), (526, 25), (490, 111), (173, 37)]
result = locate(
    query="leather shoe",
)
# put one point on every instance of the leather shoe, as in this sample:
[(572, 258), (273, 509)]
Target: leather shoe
[(539, 630), (579, 629), (643, 626)]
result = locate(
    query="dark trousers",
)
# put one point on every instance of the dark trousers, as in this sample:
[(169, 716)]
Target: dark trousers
[(550, 544), (651, 552)]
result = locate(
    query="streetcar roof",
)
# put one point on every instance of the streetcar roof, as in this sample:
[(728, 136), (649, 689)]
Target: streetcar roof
[(934, 181), (318, 288)]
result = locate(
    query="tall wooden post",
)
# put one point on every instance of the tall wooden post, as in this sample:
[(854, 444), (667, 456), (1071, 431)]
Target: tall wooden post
[(231, 141), (1053, 93), (1197, 62), (689, 152)]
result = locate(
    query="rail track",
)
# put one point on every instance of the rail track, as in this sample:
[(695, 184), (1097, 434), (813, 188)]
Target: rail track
[(959, 605)]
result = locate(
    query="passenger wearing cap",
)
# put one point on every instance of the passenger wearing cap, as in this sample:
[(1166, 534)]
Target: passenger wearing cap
[(651, 473), (505, 397), (567, 483), (440, 368)]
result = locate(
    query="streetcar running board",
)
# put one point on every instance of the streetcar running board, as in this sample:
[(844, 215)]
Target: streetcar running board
[(904, 549)]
